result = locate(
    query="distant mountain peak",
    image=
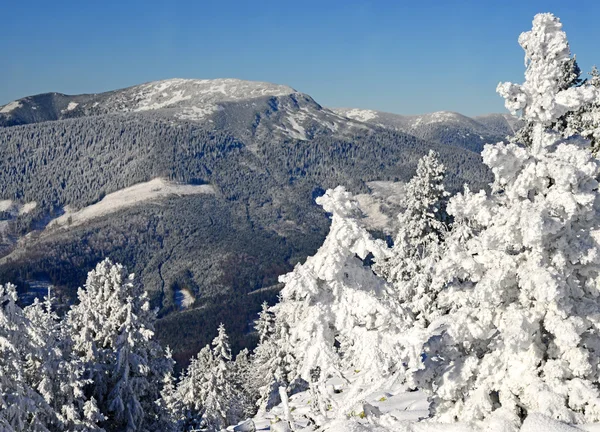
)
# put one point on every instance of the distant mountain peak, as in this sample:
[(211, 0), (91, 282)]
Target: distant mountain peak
[(191, 92)]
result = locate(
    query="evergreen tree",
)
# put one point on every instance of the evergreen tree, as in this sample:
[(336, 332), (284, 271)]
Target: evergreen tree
[(192, 390), (22, 408), (520, 329), (418, 243), (265, 325), (112, 328), (334, 315), (221, 406), (55, 373), (574, 98)]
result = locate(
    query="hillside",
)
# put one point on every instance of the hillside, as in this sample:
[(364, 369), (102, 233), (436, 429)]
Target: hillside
[(443, 127), (263, 151)]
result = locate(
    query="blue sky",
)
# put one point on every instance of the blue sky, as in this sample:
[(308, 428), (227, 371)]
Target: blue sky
[(404, 57)]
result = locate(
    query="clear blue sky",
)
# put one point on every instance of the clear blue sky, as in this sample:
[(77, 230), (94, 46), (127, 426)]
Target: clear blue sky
[(404, 57)]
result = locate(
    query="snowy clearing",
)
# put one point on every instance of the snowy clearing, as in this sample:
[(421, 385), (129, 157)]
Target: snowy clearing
[(183, 298), (15, 208), (362, 115), (10, 107), (128, 197), (197, 113)]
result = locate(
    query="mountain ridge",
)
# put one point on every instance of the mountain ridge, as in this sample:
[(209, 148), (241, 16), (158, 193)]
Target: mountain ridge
[(265, 158)]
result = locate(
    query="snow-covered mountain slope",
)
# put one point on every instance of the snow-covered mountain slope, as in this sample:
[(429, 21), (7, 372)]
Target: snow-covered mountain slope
[(444, 127), (262, 108), (153, 190), (265, 150), (171, 93)]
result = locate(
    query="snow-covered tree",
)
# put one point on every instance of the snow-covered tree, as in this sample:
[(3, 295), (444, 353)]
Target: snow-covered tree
[(418, 243), (170, 401), (335, 307), (22, 408), (265, 325), (572, 109), (273, 363), (520, 329), (55, 373), (192, 390), (112, 329), (244, 389), (221, 407)]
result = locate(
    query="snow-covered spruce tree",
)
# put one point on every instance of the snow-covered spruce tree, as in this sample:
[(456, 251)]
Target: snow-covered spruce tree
[(574, 110), (272, 363), (265, 325), (521, 330), (418, 243), (55, 373), (222, 406), (584, 121), (335, 306), (112, 329), (22, 408), (192, 390), (170, 402), (243, 386)]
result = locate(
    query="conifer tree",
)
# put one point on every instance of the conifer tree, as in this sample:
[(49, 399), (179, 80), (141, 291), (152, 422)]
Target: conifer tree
[(22, 408), (418, 243), (520, 327), (112, 329), (192, 390), (55, 373)]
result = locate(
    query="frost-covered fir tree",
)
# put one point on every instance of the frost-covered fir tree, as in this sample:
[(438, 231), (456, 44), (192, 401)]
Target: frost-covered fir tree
[(222, 406), (170, 402), (521, 325), (573, 111), (265, 325), (336, 307), (244, 388), (22, 408), (584, 121), (112, 329), (273, 363), (55, 373), (192, 390), (418, 243)]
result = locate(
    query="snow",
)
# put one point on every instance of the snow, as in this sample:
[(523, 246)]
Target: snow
[(362, 115), (128, 197), (10, 107), (183, 298), (198, 113), (27, 208), (194, 93), (72, 106), (16, 208), (6, 205), (298, 131)]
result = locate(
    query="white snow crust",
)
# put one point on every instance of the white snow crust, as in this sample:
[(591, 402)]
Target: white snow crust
[(128, 197), (10, 107)]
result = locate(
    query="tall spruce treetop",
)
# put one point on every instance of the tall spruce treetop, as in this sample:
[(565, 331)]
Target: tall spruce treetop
[(417, 246), (521, 330), (553, 92), (548, 90)]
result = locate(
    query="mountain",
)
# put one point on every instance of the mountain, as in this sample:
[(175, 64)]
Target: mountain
[(203, 188), (443, 127)]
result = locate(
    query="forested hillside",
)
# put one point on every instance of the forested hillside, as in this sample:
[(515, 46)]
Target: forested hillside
[(259, 221)]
